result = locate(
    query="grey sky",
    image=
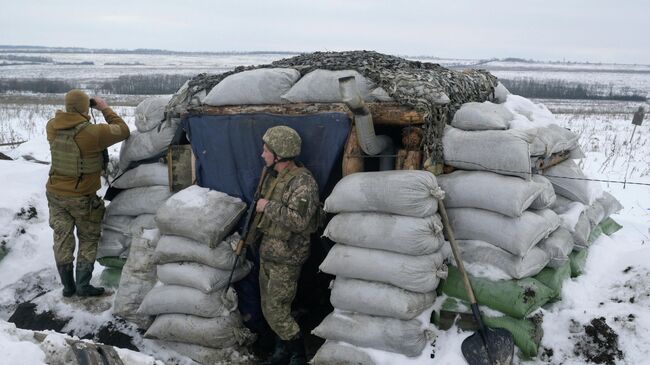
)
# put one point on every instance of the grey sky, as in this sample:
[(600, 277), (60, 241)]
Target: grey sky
[(574, 30)]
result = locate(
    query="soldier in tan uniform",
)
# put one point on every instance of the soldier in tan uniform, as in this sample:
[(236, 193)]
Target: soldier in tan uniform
[(288, 210), (77, 147)]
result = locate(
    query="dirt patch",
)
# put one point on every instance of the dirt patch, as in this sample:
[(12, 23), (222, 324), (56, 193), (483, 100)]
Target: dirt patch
[(25, 317), (27, 214), (599, 344), (109, 334)]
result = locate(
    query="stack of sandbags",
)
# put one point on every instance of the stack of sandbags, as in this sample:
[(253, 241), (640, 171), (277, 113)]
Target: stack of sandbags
[(145, 188), (387, 261), (194, 260)]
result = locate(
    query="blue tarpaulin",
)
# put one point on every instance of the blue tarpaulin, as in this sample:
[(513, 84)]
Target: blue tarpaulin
[(228, 147)]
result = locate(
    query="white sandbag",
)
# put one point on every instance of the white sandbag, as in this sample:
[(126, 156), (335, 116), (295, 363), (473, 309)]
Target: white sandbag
[(504, 152), (475, 116), (569, 181), (208, 355), (141, 223), (515, 235), (166, 299), (610, 204), (507, 195), (260, 86), (390, 232), (144, 145), (558, 245), (552, 139), (528, 114), (217, 332), (383, 333), (480, 252), (198, 276), (112, 243), (415, 273), (378, 299), (568, 211), (137, 201), (119, 223), (411, 193), (501, 93), (201, 214), (547, 196), (148, 174), (179, 249), (322, 86), (138, 277), (595, 213), (151, 112), (581, 232), (336, 353)]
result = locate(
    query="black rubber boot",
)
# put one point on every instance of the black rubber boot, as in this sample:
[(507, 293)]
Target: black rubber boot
[(84, 273), (66, 272), (280, 354), (297, 349)]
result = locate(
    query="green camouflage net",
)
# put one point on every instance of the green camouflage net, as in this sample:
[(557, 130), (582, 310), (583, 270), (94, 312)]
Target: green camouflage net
[(429, 88)]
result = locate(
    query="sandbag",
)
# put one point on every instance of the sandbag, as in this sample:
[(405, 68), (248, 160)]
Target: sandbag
[(558, 245), (415, 273), (166, 299), (112, 243), (260, 86), (148, 174), (594, 234), (554, 139), (475, 116), (115, 262), (144, 145), (209, 355), (504, 152), (581, 232), (515, 235), (201, 214), (516, 298), (378, 299), (151, 112), (569, 181), (322, 86), (335, 353), (479, 252), (595, 213), (610, 204), (179, 249), (201, 277), (110, 277), (137, 201), (547, 196), (383, 333), (568, 211), (217, 332), (138, 277), (411, 193), (578, 261), (390, 232), (507, 195), (609, 226), (554, 278)]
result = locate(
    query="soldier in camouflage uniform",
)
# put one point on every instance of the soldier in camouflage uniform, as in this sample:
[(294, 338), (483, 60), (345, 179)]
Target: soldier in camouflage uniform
[(77, 149), (288, 210)]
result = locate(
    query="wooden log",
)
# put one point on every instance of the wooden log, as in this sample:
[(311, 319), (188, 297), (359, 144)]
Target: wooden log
[(412, 138), (400, 159), (352, 160), (413, 160), (384, 113)]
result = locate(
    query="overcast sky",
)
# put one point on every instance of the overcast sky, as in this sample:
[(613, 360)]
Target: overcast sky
[(554, 30)]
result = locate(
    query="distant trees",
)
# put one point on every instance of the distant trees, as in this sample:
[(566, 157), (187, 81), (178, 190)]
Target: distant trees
[(40, 85), (562, 89), (143, 84)]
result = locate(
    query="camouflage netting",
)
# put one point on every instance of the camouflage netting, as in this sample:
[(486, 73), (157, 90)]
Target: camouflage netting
[(431, 89)]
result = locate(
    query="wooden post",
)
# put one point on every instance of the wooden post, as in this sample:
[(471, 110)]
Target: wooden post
[(352, 160)]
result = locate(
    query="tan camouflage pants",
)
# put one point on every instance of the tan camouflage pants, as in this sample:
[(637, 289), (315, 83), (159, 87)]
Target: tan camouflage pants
[(278, 284), (84, 213)]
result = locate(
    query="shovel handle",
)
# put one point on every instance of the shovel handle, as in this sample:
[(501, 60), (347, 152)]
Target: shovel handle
[(456, 251)]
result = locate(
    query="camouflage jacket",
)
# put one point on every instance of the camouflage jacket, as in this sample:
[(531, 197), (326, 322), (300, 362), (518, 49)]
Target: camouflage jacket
[(290, 216)]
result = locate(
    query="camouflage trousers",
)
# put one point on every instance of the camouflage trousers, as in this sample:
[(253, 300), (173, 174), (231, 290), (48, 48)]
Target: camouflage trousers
[(278, 285), (84, 213)]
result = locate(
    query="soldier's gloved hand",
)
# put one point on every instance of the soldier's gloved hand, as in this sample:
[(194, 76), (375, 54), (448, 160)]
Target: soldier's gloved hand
[(100, 104)]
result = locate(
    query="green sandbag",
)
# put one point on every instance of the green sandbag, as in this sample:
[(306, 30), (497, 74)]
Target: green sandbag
[(527, 333), (3, 252), (578, 261), (595, 233), (609, 226), (110, 277), (554, 278), (516, 298), (112, 261)]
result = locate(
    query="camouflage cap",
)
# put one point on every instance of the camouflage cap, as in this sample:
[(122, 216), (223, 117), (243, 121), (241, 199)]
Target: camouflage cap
[(283, 141)]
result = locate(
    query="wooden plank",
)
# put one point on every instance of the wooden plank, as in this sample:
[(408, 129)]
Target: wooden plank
[(382, 113), (544, 163), (181, 167)]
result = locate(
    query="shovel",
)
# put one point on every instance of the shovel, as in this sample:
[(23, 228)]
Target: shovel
[(488, 346)]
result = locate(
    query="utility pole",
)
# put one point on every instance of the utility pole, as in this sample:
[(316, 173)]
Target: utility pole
[(636, 121)]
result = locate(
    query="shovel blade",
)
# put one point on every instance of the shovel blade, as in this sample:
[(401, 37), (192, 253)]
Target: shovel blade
[(500, 345)]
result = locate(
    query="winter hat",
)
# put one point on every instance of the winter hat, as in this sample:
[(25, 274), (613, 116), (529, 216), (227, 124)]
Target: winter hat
[(77, 101)]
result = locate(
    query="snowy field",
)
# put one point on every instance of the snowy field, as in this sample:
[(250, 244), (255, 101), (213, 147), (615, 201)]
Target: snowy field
[(615, 285)]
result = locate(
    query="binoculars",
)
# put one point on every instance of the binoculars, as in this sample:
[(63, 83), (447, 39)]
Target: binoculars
[(92, 102)]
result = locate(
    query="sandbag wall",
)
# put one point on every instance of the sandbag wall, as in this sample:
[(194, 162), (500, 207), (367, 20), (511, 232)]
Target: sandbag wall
[(144, 187), (388, 261), (515, 229), (195, 314)]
